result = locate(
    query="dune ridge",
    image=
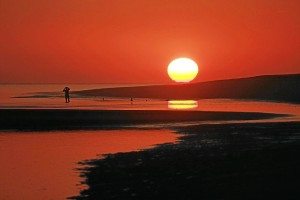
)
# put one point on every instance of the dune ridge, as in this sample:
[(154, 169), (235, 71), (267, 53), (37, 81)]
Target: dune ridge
[(280, 88)]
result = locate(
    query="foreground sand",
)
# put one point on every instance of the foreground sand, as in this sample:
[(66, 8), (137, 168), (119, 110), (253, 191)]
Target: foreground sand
[(221, 161), (231, 161)]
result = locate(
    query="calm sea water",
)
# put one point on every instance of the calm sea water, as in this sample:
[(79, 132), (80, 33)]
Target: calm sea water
[(40, 165), (50, 96)]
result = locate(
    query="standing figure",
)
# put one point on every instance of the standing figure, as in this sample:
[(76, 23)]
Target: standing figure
[(67, 94)]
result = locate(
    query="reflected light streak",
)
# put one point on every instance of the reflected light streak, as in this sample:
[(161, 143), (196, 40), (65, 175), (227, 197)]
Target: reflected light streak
[(182, 104)]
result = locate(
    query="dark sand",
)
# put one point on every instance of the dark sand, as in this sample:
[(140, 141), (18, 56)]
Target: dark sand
[(43, 119), (231, 161)]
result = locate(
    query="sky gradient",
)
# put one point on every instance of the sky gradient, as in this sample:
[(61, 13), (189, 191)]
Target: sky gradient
[(133, 41)]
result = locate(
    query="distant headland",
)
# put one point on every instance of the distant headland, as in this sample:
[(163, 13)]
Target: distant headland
[(278, 88)]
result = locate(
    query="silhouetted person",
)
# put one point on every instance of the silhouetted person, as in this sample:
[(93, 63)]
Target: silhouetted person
[(131, 100), (67, 94)]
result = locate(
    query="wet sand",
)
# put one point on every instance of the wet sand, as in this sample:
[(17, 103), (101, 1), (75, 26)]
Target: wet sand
[(51, 119), (220, 161)]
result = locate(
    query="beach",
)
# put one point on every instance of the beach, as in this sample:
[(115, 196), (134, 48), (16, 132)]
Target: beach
[(114, 148), (69, 132)]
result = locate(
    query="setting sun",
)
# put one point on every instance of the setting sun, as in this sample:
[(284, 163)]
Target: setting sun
[(182, 70)]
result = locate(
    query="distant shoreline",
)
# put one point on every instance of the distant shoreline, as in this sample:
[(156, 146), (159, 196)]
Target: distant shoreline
[(276, 88), (272, 88)]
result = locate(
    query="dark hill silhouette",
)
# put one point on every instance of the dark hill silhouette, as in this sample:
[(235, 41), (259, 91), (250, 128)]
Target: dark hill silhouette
[(269, 87)]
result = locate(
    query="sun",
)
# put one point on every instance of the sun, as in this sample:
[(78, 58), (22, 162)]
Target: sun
[(182, 70)]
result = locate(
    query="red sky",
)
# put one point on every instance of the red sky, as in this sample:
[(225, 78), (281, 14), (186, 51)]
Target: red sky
[(133, 41)]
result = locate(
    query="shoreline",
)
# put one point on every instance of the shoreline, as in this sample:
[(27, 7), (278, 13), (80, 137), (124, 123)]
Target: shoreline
[(51, 119), (224, 161)]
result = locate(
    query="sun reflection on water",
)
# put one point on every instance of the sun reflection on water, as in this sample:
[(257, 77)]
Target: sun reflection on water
[(182, 104)]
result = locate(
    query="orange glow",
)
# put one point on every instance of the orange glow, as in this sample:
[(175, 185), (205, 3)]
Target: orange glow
[(128, 41), (182, 104), (40, 165), (182, 70)]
